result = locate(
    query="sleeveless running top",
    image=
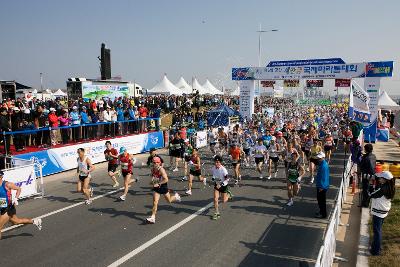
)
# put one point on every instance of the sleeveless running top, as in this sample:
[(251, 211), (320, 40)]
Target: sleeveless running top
[(83, 166), (126, 163), (195, 161), (293, 171), (5, 196), (329, 141), (157, 177)]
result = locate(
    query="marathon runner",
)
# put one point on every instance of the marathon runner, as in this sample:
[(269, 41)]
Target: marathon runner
[(247, 144), (328, 145), (236, 154), (273, 156), (295, 172), (195, 170), (260, 153), (221, 188), (187, 155), (126, 161), (111, 155), (85, 167)]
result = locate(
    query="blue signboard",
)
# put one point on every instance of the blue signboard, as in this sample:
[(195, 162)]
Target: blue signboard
[(241, 74), (303, 62), (379, 69)]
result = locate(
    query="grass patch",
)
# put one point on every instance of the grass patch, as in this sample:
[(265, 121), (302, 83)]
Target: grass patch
[(390, 255)]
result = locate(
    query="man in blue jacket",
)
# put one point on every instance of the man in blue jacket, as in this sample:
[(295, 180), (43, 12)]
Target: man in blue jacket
[(322, 183)]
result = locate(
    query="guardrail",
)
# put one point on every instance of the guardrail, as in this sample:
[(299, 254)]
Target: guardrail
[(327, 251)]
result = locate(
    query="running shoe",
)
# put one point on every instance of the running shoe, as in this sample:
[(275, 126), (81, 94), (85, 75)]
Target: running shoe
[(91, 192), (134, 160), (115, 185), (269, 177), (151, 220), (240, 177), (312, 180), (175, 170), (88, 201), (188, 192), (275, 174), (177, 197), (216, 216), (236, 182), (290, 203), (261, 177), (184, 178), (38, 223), (123, 197), (204, 181)]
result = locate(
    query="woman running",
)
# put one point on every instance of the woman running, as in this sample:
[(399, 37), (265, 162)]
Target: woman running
[(160, 187), (221, 188), (295, 172), (195, 171), (236, 154), (247, 145), (288, 155), (111, 155), (85, 167), (126, 161), (8, 212), (328, 146), (187, 155), (273, 155), (260, 151)]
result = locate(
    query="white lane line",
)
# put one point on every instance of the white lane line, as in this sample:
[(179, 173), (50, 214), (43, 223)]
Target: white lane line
[(158, 237), (63, 209)]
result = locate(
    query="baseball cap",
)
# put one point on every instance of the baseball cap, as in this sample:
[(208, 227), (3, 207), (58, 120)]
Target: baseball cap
[(52, 109), (385, 175), (122, 150), (320, 155)]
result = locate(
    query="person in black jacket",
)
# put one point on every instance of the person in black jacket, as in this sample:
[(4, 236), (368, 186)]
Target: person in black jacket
[(16, 125), (367, 169), (5, 127)]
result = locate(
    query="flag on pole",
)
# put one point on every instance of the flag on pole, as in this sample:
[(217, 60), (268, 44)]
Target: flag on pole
[(359, 104)]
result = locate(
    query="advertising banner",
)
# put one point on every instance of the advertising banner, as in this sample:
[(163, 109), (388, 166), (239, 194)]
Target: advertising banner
[(328, 71), (371, 86), (303, 62), (93, 91), (267, 83), (24, 177), (60, 159), (201, 139), (359, 104), (246, 98), (278, 91), (315, 83), (342, 82), (291, 83)]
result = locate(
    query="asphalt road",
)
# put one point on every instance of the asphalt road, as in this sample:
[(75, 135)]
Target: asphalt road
[(255, 229)]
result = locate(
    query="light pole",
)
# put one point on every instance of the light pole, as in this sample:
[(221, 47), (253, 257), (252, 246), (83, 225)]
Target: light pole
[(260, 31), (41, 82)]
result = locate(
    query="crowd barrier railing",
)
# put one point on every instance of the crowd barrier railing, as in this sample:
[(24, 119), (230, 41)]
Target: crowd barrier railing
[(326, 254)]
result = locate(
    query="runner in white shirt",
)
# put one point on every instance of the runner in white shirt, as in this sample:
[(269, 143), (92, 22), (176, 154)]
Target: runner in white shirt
[(221, 180), (273, 154), (259, 152)]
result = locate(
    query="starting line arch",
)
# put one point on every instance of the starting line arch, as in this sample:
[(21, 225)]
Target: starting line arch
[(371, 72)]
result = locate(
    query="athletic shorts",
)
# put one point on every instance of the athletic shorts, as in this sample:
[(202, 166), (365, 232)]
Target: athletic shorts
[(222, 189), (313, 160), (162, 190), (213, 143), (187, 158), (195, 172), (234, 164), (308, 153), (246, 151), (10, 210), (125, 173), (176, 153), (274, 159), (327, 148), (259, 160), (82, 178), (293, 183), (335, 142), (303, 149), (112, 167)]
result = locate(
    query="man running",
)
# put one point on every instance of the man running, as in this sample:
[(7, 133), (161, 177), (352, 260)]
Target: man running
[(85, 167), (111, 155), (160, 187), (236, 154), (295, 172), (187, 155), (195, 171), (126, 161), (273, 156), (221, 188), (260, 151), (8, 212)]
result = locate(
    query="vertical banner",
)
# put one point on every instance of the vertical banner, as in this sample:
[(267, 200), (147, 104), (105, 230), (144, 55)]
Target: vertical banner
[(247, 98), (371, 86)]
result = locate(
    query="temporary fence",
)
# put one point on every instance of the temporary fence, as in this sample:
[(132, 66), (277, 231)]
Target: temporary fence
[(25, 174), (327, 251)]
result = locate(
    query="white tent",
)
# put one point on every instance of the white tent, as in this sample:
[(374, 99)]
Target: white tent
[(197, 86), (211, 88), (235, 92), (184, 86), (385, 102), (59, 93), (165, 87)]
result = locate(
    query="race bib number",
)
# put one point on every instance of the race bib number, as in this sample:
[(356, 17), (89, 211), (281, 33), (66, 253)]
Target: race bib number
[(3, 203)]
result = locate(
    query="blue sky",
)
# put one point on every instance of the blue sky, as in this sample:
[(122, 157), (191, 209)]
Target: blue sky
[(188, 38)]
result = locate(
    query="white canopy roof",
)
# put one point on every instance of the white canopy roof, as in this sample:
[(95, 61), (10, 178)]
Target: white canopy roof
[(184, 86), (165, 87), (211, 88), (386, 102), (59, 93), (197, 86)]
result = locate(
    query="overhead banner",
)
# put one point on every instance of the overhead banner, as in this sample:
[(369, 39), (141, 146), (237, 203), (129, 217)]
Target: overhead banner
[(291, 83), (359, 104), (267, 83), (315, 83), (342, 82), (24, 177), (247, 99), (60, 159), (334, 71), (371, 85), (304, 62)]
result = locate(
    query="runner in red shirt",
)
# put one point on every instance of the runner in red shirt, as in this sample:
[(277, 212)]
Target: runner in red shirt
[(111, 155), (126, 161)]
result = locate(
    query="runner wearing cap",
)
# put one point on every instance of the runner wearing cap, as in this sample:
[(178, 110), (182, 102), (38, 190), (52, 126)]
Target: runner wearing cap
[(126, 161), (85, 167), (221, 188), (187, 155), (160, 187), (260, 152), (8, 211), (111, 155), (195, 170), (294, 174)]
